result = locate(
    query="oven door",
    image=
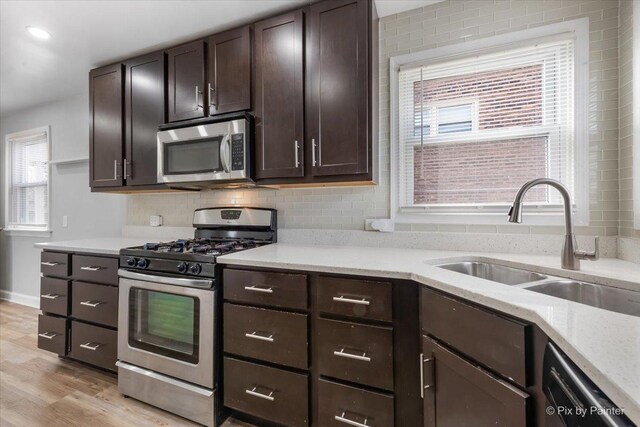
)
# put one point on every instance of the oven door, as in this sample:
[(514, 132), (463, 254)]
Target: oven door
[(167, 327)]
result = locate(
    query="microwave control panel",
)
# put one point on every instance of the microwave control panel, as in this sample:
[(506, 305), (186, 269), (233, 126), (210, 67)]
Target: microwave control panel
[(237, 151)]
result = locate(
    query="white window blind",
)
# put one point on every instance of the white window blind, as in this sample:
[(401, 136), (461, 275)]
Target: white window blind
[(28, 180), (473, 129)]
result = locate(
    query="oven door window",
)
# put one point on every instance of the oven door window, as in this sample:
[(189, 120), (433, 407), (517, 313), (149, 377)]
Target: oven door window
[(165, 324), (193, 156)]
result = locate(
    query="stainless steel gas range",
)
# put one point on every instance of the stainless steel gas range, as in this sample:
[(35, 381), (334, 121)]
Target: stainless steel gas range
[(169, 306)]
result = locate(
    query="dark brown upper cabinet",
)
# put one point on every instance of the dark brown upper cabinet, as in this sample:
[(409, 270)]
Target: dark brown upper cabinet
[(279, 96), (457, 392), (144, 110), (187, 92), (106, 131), (229, 71), (339, 124)]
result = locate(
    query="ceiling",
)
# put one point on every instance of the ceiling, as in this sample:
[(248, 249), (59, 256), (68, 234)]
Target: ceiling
[(86, 34)]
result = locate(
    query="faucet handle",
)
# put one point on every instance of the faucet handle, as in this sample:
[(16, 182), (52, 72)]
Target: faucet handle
[(591, 256)]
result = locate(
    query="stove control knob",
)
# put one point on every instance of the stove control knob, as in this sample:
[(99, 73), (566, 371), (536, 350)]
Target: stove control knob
[(196, 269), (143, 263), (182, 267), (131, 262)]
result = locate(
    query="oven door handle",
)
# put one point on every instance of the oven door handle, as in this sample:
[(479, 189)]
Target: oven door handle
[(166, 280)]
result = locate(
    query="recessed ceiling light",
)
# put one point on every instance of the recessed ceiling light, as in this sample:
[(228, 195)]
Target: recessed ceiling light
[(38, 33)]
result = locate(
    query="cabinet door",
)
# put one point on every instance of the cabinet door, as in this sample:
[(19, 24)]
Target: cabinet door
[(186, 81), (278, 97), (106, 132), (229, 83), (144, 111), (457, 393), (338, 82)]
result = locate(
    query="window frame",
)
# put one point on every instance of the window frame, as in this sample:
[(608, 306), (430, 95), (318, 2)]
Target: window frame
[(537, 214), (25, 229)]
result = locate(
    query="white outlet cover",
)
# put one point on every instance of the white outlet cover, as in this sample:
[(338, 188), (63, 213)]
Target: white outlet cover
[(155, 220), (64, 221)]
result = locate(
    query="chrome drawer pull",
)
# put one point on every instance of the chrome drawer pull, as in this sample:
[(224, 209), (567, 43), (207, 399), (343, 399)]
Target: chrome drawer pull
[(342, 298), (48, 335), (343, 419), (88, 346), (91, 268), (255, 288), (253, 392), (362, 357), (50, 296), (91, 303), (49, 263), (255, 336)]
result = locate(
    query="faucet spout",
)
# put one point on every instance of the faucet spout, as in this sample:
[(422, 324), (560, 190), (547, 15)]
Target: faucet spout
[(570, 256)]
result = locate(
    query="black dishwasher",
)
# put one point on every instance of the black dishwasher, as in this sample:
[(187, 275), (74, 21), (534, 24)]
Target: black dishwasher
[(573, 400)]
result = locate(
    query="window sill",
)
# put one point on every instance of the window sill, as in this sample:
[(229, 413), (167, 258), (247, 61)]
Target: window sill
[(529, 218), (26, 232)]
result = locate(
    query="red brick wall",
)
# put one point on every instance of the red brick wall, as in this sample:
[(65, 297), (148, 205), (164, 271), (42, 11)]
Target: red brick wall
[(484, 172), (478, 172)]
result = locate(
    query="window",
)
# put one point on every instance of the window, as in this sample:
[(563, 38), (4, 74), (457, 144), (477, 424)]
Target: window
[(28, 180), (472, 124)]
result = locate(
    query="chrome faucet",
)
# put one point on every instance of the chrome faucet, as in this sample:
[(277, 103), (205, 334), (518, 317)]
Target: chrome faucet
[(570, 255)]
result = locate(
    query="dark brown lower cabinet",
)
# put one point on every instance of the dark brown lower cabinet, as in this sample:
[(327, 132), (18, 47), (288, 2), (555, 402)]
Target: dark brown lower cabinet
[(269, 393), (53, 334), (341, 405), (458, 393), (95, 345)]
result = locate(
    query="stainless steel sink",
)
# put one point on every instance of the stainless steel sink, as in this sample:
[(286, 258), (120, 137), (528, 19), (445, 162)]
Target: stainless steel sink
[(494, 272), (612, 299)]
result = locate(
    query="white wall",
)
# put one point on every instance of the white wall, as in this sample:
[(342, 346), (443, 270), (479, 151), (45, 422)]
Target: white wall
[(89, 214)]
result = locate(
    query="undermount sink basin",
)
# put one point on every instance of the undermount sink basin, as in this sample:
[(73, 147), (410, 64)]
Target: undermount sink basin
[(494, 272), (607, 298)]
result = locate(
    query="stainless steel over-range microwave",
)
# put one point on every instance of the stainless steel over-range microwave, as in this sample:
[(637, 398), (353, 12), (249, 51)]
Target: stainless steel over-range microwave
[(206, 155)]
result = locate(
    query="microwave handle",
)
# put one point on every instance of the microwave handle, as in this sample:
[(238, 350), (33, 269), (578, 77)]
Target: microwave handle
[(225, 153)]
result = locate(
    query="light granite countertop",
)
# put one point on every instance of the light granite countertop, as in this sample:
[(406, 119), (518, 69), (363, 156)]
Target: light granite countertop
[(605, 345), (98, 245)]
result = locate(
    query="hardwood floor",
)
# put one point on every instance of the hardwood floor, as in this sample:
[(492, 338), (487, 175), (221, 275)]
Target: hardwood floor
[(39, 389)]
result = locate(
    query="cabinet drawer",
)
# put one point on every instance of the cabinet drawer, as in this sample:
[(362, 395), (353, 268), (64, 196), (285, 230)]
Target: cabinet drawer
[(273, 336), (266, 288), (54, 296), (52, 333), (357, 353), (93, 344), (55, 264), (95, 269), (341, 405), (269, 393), (492, 340), (364, 299), (95, 303)]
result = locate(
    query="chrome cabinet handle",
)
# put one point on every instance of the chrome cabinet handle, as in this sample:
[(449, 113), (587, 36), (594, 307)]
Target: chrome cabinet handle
[(49, 264), (253, 392), (124, 164), (48, 335), (212, 96), (88, 346), (363, 357), (256, 336), (91, 303), (297, 148), (313, 152), (197, 98), (50, 296), (88, 268), (115, 169), (342, 298), (345, 420), (423, 386), (254, 288)]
